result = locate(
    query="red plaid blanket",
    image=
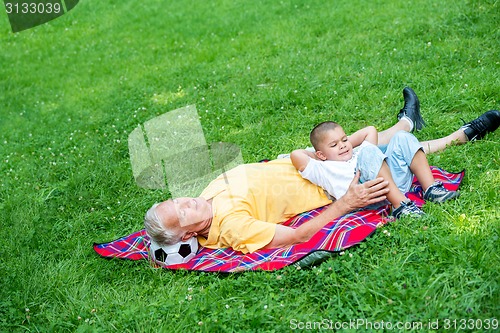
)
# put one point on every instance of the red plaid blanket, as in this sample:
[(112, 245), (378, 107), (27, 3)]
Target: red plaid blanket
[(338, 235)]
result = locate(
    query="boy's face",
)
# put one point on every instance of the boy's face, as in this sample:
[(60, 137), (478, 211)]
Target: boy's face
[(335, 146)]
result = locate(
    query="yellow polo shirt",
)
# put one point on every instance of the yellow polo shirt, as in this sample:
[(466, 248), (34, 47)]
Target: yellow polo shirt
[(249, 200)]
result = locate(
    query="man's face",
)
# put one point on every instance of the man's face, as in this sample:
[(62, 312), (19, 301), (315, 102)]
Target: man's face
[(184, 212), (335, 146)]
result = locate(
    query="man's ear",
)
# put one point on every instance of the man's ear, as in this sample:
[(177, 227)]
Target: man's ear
[(188, 235), (320, 155)]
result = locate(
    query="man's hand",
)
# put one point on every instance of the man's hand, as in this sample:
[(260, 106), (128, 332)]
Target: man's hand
[(357, 196), (361, 195)]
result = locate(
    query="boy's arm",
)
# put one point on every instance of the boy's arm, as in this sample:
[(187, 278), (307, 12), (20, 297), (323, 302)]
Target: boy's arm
[(369, 134), (300, 158)]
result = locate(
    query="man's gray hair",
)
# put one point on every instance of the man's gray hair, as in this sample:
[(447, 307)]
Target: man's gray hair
[(156, 230)]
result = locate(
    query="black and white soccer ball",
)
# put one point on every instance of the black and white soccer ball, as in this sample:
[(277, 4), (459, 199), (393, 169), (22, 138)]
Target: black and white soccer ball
[(178, 253)]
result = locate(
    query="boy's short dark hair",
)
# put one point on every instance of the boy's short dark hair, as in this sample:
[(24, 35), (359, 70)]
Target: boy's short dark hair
[(317, 132)]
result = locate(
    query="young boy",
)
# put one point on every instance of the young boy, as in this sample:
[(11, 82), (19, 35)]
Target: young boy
[(338, 157)]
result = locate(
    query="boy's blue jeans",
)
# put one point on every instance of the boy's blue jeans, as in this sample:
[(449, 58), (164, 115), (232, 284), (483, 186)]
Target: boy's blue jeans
[(398, 154)]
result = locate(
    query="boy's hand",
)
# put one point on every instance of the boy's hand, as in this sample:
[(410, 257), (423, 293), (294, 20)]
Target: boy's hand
[(300, 158), (368, 133)]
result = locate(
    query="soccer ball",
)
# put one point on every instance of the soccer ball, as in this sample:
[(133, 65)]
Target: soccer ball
[(178, 253)]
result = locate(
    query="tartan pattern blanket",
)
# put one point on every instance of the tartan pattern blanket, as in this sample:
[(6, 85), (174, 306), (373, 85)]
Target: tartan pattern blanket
[(338, 235)]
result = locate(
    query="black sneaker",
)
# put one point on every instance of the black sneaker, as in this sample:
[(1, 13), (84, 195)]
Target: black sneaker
[(407, 208), (482, 125), (411, 109), (438, 194)]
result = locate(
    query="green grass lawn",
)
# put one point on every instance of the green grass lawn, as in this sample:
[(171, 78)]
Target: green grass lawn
[(261, 74)]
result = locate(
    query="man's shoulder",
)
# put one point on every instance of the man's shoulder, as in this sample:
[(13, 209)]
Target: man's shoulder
[(279, 161), (277, 165)]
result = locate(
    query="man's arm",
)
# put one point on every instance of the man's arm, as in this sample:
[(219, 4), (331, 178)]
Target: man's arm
[(300, 158), (369, 134), (357, 196)]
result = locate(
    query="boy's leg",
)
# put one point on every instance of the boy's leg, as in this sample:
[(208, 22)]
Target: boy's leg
[(394, 195), (409, 118), (407, 158), (400, 153), (430, 146), (371, 163), (434, 191), (370, 160), (421, 169), (473, 130), (402, 206), (411, 110), (385, 136), (456, 138)]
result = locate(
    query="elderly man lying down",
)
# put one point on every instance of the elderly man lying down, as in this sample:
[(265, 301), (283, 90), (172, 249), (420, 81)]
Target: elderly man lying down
[(244, 208)]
